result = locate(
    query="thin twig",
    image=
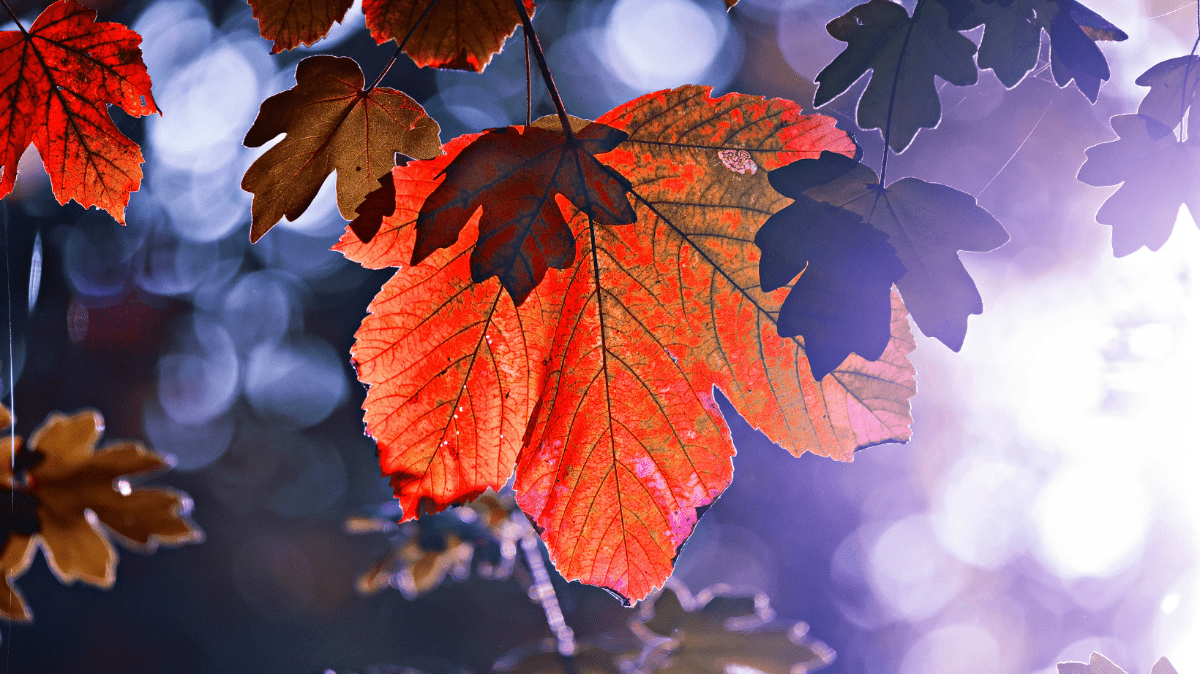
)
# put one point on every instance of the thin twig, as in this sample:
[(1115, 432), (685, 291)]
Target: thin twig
[(541, 59), (1187, 72), (543, 593), (13, 14), (529, 85), (400, 48)]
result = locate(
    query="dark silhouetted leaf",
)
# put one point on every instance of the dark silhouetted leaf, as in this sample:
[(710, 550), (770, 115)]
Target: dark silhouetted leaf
[(1012, 36), (455, 34), (513, 176), (290, 23), (927, 224), (905, 55), (604, 377), (1158, 174), (331, 124), (842, 301), (56, 83), (721, 631), (75, 490), (1073, 51), (378, 205), (1173, 86)]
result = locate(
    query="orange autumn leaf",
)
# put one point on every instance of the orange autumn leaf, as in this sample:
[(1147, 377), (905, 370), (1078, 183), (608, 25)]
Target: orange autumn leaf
[(607, 372), (75, 490), (452, 34), (56, 83), (289, 24)]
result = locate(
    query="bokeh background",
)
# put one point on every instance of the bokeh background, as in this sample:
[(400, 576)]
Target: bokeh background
[(1046, 506)]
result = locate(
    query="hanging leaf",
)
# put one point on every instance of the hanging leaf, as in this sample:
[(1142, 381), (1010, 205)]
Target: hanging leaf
[(74, 490), (1157, 174), (1172, 92), (927, 224), (1012, 35), (453, 34), (606, 372), (720, 631), (290, 24), (331, 123), (1074, 31), (56, 83), (904, 54), (842, 301), (514, 176)]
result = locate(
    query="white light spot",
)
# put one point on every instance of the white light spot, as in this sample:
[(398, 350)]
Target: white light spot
[(1170, 603), (652, 44), (124, 487)]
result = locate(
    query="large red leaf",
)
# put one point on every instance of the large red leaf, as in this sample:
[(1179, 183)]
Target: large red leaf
[(56, 82), (608, 370)]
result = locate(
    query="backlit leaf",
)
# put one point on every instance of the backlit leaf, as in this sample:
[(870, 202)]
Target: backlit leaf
[(513, 177), (1074, 31), (289, 23), (1157, 174), (1098, 664), (1172, 92), (331, 123), (927, 224), (607, 371), (721, 631), (454, 34), (904, 54), (56, 83)]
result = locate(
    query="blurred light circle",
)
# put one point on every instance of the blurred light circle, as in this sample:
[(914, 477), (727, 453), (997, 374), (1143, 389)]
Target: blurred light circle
[(169, 265), (262, 307), (655, 44), (316, 479), (208, 104), (341, 30), (192, 445), (308, 257), (98, 264), (983, 513), (1092, 518), (77, 321), (956, 649), (172, 32), (297, 383), (322, 217), (201, 382), (848, 569), (911, 571), (202, 206)]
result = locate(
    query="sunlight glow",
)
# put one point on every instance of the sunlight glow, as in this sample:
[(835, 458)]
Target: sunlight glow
[(654, 44)]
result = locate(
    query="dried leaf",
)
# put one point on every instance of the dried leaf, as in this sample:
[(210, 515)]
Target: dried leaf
[(290, 24), (331, 123), (454, 34)]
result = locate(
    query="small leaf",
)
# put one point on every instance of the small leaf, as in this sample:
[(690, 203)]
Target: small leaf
[(1073, 51), (1011, 37), (720, 631), (1173, 85), (454, 34), (513, 176), (905, 55), (290, 24), (1157, 174), (331, 124), (927, 224), (1097, 665), (842, 301), (56, 83)]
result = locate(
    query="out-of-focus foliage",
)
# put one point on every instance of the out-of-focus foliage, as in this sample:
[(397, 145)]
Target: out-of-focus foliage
[(1098, 664), (74, 489)]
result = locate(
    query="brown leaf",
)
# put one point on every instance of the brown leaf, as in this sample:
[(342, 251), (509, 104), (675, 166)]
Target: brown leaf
[(291, 24), (17, 556), (456, 34), (74, 478), (719, 630), (331, 123)]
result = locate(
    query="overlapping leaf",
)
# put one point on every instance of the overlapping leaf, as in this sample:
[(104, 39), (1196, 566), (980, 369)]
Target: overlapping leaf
[(454, 34), (927, 224), (56, 83), (66, 479), (1173, 85), (513, 176), (613, 362), (331, 123), (720, 631), (842, 301), (1157, 174), (904, 54)]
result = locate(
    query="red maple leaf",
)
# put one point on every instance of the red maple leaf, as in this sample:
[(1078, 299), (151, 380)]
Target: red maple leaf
[(56, 82), (600, 385)]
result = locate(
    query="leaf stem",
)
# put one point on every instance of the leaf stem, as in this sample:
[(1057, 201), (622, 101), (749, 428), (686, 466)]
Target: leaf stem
[(1187, 73), (543, 593), (541, 59), (529, 84), (887, 129), (14, 16), (400, 48)]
